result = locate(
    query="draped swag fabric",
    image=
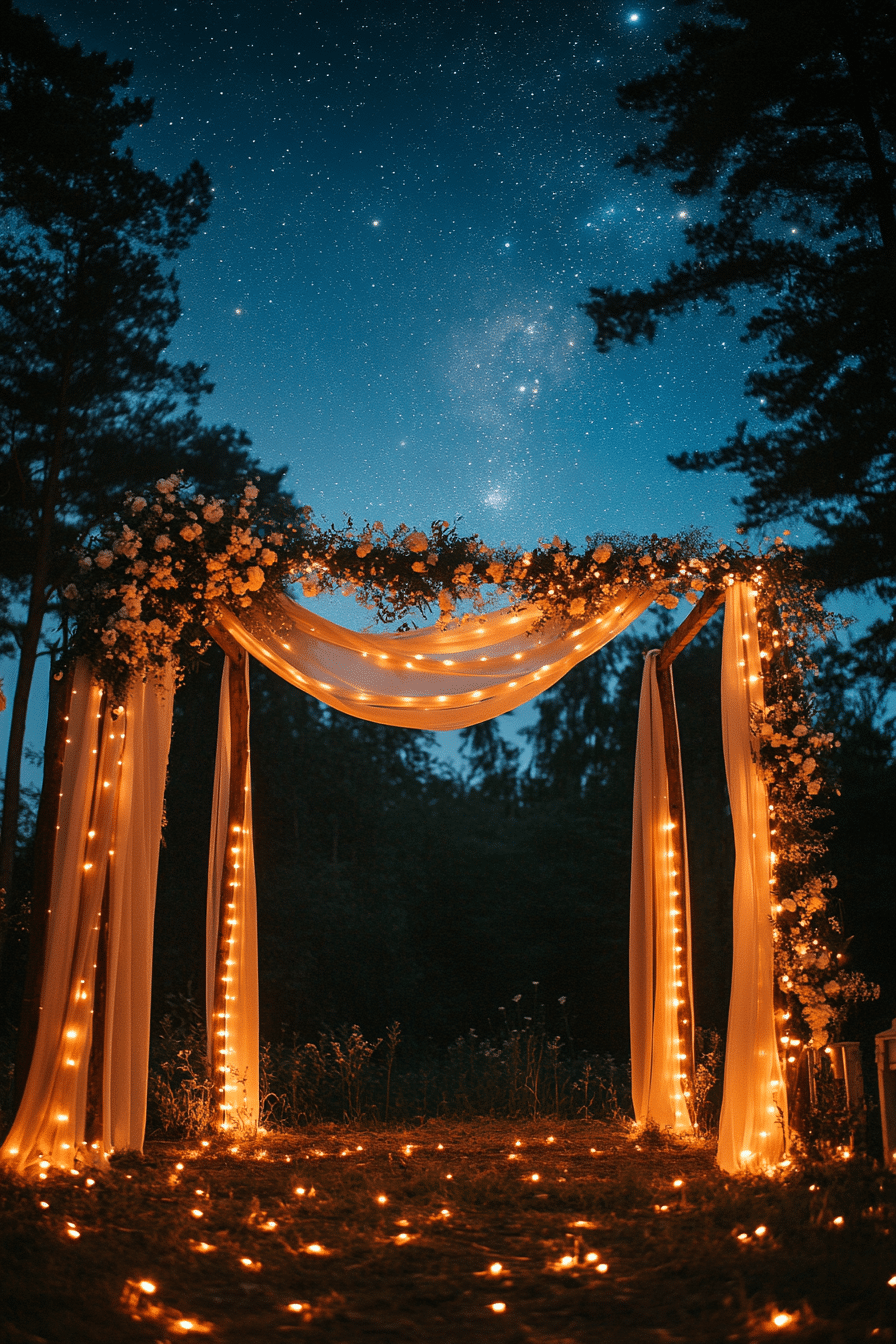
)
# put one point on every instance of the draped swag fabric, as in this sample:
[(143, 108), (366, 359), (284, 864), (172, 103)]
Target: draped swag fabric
[(659, 949), (432, 678), (86, 1089), (233, 1043), (753, 1122)]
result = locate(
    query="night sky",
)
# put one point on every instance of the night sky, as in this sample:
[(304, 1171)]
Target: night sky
[(410, 202)]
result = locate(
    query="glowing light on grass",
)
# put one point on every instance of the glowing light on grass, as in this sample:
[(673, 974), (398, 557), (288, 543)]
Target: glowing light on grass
[(498, 1307), (535, 1176), (146, 1286), (495, 1268), (761, 1231), (44, 1204), (197, 1213), (381, 1199), (602, 1268), (891, 1282), (838, 1222), (782, 1319), (591, 1257), (678, 1184), (269, 1225), (296, 1306), (315, 1249), (300, 1190)]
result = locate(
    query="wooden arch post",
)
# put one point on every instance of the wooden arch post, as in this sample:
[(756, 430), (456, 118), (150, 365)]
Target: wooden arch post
[(704, 610), (233, 859)]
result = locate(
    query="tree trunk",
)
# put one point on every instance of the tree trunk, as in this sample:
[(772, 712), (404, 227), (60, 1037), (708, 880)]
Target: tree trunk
[(44, 854), (37, 607)]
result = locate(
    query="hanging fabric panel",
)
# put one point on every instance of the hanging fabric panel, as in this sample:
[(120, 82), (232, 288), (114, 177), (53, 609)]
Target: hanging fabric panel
[(753, 1122), (233, 1041), (659, 947), (434, 678), (86, 1087)]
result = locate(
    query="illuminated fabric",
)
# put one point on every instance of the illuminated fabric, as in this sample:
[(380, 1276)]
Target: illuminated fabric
[(237, 1049), (659, 958), (752, 1126), (107, 855), (110, 821), (433, 678)]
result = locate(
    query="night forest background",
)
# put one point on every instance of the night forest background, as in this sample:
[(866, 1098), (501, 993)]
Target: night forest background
[(394, 885)]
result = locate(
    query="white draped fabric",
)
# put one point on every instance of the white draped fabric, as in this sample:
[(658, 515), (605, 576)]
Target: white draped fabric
[(432, 678), (86, 1089), (659, 952), (85, 1096), (233, 1045), (753, 1123)]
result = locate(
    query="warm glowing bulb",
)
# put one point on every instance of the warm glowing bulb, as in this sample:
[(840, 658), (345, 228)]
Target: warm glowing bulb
[(499, 1307), (146, 1286), (495, 1268)]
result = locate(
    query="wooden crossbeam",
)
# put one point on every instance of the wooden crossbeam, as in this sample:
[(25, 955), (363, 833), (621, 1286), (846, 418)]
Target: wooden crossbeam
[(705, 609)]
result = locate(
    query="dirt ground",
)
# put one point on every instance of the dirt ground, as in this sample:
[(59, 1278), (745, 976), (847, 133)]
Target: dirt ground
[(571, 1233)]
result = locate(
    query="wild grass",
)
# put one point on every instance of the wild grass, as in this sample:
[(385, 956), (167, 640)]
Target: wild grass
[(522, 1070), (585, 1231)]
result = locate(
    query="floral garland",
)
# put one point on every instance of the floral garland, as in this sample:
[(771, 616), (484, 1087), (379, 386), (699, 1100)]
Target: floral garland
[(162, 568), (811, 950)]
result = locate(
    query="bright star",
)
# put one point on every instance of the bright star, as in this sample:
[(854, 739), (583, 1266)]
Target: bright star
[(633, 18), (376, 223)]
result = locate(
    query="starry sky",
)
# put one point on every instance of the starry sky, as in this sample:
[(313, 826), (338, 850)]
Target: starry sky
[(411, 199)]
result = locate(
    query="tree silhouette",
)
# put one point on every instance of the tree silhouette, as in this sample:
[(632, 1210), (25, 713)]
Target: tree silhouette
[(89, 403), (784, 119)]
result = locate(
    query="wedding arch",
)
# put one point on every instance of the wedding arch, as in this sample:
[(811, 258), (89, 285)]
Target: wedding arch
[(173, 570)]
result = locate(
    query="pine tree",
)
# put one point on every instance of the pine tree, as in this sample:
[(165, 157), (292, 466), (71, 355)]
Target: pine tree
[(89, 403), (783, 118)]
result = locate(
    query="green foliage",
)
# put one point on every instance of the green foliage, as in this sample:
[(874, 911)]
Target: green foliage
[(783, 122)]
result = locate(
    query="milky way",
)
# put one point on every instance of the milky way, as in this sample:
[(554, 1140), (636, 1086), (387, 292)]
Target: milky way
[(410, 203)]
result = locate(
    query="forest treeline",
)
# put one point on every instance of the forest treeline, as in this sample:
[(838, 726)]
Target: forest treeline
[(392, 885)]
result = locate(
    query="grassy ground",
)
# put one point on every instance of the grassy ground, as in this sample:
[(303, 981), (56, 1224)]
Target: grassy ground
[(348, 1234)]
